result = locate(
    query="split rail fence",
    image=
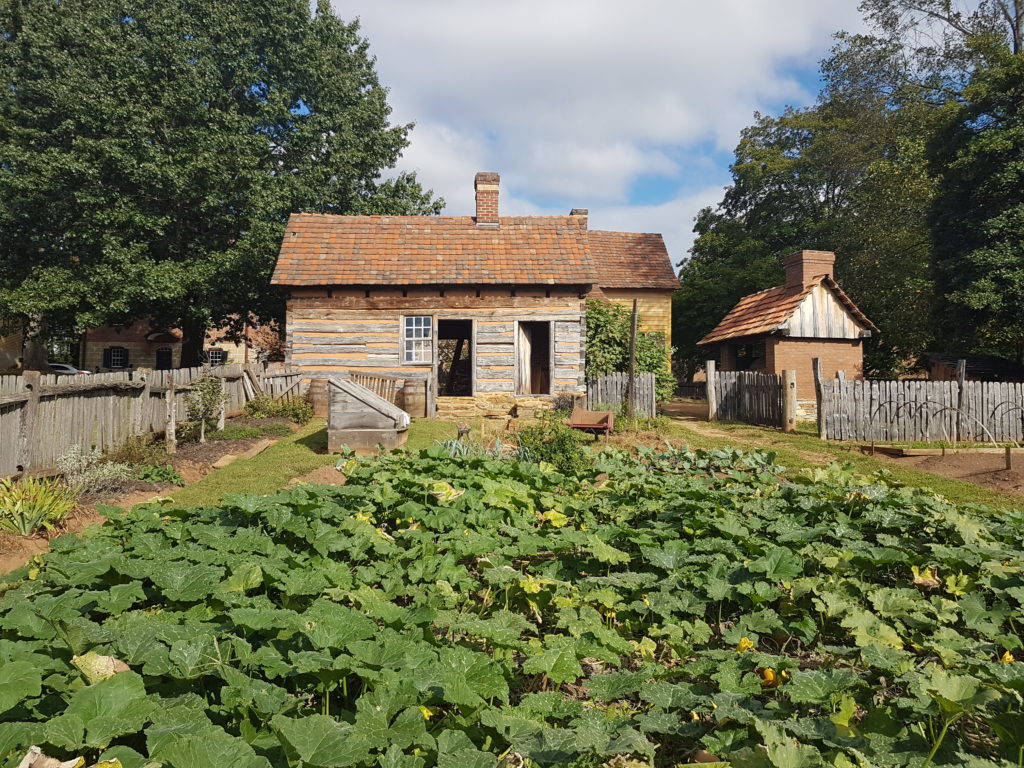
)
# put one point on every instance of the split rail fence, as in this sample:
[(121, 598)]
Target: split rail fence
[(925, 411), (41, 416), (612, 389)]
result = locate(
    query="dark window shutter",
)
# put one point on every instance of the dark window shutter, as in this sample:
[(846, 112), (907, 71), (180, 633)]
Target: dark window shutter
[(127, 362), (106, 357)]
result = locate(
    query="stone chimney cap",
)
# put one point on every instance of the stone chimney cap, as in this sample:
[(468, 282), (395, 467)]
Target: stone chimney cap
[(487, 177), (579, 212)]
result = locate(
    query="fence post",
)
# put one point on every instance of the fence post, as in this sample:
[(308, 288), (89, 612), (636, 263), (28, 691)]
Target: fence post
[(222, 416), (28, 419), (961, 375), (170, 435), (631, 383), (709, 369), (819, 397), (789, 401)]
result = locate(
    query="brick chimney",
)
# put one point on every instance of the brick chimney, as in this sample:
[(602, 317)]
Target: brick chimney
[(580, 216), (803, 267), (486, 186)]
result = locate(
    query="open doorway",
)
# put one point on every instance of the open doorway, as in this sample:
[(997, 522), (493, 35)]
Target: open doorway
[(455, 358), (534, 359)]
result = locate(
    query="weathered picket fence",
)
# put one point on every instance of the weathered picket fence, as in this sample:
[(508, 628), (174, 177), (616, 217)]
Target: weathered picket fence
[(765, 399), (41, 416), (612, 389), (908, 411)]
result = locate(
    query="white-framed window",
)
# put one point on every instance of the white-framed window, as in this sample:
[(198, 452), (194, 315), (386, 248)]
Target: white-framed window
[(217, 356), (417, 339), (118, 357)]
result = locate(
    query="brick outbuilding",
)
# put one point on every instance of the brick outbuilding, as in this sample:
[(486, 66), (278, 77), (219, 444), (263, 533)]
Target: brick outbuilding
[(786, 327)]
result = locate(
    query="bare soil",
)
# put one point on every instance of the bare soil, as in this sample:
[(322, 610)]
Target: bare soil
[(320, 476), (985, 469)]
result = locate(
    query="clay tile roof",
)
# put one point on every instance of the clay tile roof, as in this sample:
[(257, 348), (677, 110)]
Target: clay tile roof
[(631, 260), (324, 249), (765, 311)]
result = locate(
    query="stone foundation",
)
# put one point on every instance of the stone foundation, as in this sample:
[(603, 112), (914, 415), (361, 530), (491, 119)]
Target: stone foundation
[(496, 405)]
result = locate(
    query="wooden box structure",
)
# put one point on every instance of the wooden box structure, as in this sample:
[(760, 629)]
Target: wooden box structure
[(360, 419)]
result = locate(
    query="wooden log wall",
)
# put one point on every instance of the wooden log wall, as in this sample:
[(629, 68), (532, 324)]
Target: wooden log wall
[(41, 416), (750, 397), (609, 392), (922, 411), (328, 337)]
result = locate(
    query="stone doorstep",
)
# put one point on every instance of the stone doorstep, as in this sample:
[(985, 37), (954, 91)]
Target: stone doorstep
[(229, 458)]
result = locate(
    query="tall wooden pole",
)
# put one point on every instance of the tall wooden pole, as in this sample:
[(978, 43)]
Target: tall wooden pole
[(789, 401), (709, 370), (171, 430), (631, 384), (961, 376)]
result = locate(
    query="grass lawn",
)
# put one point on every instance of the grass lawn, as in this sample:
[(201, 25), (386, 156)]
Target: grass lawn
[(293, 456)]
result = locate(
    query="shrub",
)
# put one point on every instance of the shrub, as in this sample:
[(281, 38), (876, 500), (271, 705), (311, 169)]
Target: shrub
[(158, 473), (608, 330), (551, 441), (33, 504), (265, 407), (87, 473), (140, 449)]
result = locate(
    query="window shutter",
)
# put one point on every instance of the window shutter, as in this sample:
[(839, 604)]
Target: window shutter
[(106, 357), (127, 362)]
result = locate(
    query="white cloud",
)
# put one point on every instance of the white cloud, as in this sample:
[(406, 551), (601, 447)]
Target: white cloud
[(573, 101)]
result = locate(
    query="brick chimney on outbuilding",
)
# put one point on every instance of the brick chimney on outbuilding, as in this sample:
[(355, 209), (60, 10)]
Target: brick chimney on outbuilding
[(486, 186), (803, 267)]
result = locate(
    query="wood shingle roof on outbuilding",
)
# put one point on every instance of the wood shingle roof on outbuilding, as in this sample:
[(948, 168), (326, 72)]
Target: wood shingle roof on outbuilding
[(766, 311)]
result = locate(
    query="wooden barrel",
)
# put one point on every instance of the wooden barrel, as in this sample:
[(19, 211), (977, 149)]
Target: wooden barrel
[(414, 398), (319, 397)]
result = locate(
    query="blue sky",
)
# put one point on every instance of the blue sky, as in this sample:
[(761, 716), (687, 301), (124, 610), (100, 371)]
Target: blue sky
[(630, 109)]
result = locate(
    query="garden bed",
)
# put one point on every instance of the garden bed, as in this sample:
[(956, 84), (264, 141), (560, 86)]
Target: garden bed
[(641, 610), (193, 461)]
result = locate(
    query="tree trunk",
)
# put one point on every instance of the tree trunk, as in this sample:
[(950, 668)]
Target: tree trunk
[(34, 353), (192, 344)]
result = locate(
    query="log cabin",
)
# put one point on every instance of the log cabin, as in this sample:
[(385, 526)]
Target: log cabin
[(473, 315)]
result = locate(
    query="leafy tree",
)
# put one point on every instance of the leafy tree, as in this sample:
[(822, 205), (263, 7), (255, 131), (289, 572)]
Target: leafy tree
[(204, 399), (978, 218), (608, 332), (849, 176), (150, 155)]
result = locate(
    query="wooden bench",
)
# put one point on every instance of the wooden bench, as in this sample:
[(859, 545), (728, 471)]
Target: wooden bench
[(594, 422)]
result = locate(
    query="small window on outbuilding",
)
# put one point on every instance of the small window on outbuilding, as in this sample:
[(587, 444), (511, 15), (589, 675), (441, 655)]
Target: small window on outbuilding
[(750, 356), (217, 356), (115, 357), (418, 339)]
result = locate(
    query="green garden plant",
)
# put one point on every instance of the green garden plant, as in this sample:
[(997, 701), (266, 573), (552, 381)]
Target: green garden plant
[(34, 504), (89, 473), (159, 473), (655, 608)]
